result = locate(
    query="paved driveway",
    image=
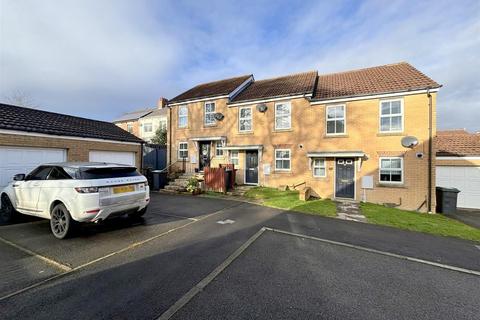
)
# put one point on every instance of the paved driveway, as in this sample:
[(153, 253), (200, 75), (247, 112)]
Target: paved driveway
[(144, 268)]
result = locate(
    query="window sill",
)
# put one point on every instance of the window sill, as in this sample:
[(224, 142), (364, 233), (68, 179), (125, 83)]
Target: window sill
[(210, 126), (245, 133), (328, 136), (282, 172), (282, 130), (182, 128), (388, 134), (391, 185)]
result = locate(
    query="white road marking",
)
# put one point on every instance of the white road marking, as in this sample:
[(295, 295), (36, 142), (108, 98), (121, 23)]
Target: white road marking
[(228, 221), (49, 261), (478, 247), (177, 216), (134, 245), (209, 278)]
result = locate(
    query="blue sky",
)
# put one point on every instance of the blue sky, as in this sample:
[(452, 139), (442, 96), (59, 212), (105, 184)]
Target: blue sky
[(99, 59)]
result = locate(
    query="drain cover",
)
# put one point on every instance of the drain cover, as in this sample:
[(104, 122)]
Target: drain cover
[(228, 221)]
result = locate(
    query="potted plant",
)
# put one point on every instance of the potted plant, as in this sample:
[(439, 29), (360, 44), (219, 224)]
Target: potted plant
[(192, 186)]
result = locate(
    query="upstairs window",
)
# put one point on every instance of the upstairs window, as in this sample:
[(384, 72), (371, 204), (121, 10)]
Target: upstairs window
[(245, 119), (163, 124), (319, 168), (391, 115), (282, 159), (183, 150), (182, 117), (234, 157), (391, 170), (218, 151), (147, 127), (130, 127), (283, 115), (335, 120), (209, 113)]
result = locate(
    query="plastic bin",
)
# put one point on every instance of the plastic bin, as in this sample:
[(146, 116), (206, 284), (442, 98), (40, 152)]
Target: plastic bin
[(159, 179), (447, 200), (228, 179)]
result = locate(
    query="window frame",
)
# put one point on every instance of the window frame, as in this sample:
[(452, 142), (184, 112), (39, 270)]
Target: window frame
[(179, 157), (130, 127), (240, 118), (162, 124), (210, 112), (182, 116), (319, 167), (380, 116), (150, 124), (232, 159), (284, 159), (336, 119), (217, 150), (289, 104), (402, 169)]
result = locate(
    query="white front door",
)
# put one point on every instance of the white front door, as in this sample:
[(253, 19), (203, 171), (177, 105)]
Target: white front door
[(118, 157), (465, 179), (15, 160)]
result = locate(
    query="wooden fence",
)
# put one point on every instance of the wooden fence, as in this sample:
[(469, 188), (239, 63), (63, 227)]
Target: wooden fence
[(215, 178)]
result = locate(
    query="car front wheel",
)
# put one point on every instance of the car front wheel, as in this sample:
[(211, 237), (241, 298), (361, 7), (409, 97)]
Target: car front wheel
[(61, 223), (7, 211)]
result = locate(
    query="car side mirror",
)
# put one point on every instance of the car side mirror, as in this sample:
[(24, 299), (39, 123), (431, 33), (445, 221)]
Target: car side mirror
[(19, 177)]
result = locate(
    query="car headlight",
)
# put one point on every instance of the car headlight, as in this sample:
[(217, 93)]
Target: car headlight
[(87, 189)]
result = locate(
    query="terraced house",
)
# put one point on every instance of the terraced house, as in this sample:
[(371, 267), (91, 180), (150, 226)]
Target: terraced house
[(339, 134)]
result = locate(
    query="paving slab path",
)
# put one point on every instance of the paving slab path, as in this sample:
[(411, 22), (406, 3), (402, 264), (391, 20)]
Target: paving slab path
[(349, 210)]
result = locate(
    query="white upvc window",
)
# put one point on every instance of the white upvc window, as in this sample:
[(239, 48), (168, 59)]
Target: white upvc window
[(245, 122), (218, 151), (336, 120), (162, 124), (391, 115), (130, 127), (283, 115), (234, 157), (182, 116), (147, 127), (319, 167), (183, 150), (391, 170), (209, 113), (282, 160)]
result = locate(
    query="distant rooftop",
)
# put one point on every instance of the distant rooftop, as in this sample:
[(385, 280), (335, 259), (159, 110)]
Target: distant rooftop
[(134, 115), (457, 143)]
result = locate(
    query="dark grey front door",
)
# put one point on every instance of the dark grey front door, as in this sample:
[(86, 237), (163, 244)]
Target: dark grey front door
[(204, 156), (345, 178), (251, 167)]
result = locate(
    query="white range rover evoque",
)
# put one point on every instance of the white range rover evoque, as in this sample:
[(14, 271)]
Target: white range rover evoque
[(71, 192)]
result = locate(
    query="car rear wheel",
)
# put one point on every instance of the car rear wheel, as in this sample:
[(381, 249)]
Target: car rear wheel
[(138, 213), (7, 211), (61, 223)]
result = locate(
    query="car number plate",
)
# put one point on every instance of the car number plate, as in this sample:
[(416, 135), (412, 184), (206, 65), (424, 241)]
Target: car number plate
[(124, 189)]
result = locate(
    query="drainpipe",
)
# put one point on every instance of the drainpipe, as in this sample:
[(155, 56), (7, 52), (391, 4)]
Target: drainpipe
[(170, 136), (430, 150)]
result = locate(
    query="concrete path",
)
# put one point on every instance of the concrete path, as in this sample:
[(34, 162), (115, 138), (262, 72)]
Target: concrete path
[(349, 210)]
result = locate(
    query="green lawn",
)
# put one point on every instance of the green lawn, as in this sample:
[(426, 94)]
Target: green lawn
[(289, 200), (422, 222)]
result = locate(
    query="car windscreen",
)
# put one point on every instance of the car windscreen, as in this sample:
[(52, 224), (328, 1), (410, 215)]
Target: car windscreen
[(108, 172)]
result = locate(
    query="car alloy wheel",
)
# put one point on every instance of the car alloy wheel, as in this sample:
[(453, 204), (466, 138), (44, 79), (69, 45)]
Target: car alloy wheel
[(6, 210), (60, 221)]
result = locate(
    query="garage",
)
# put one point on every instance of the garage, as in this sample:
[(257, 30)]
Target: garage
[(15, 160), (458, 165), (113, 157), (30, 137), (466, 179)]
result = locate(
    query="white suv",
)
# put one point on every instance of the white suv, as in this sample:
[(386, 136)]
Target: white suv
[(72, 192)]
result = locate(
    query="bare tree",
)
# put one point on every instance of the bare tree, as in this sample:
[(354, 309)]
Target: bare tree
[(21, 99)]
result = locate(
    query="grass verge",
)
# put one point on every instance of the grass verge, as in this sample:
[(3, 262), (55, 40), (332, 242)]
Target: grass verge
[(289, 200), (410, 220)]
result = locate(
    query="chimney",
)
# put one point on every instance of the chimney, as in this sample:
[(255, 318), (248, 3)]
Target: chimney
[(162, 103)]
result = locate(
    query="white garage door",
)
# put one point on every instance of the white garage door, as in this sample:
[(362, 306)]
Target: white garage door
[(15, 160), (113, 157), (465, 179)]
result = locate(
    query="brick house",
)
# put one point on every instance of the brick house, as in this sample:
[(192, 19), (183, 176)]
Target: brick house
[(30, 137), (339, 134)]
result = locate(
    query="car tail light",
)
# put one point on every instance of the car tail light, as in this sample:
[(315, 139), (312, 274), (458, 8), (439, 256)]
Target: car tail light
[(87, 189), (92, 211)]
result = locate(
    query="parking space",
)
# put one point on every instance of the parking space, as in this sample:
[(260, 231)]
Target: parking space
[(284, 277)]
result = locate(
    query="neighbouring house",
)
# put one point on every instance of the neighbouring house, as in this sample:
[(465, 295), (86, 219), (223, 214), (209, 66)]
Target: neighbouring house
[(458, 165), (339, 134), (30, 137), (144, 123)]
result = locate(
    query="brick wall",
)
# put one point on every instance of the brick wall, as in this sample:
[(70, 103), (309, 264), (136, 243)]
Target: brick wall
[(135, 127), (77, 150)]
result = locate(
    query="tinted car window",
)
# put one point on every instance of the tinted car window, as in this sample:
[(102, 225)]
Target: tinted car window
[(105, 173), (40, 173), (58, 173)]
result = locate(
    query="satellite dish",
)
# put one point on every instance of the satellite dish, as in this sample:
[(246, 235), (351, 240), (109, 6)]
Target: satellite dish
[(219, 116), (409, 141), (262, 107)]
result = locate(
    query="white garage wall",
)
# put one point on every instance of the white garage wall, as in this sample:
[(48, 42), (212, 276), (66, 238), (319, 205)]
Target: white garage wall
[(465, 179), (15, 160), (113, 157)]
